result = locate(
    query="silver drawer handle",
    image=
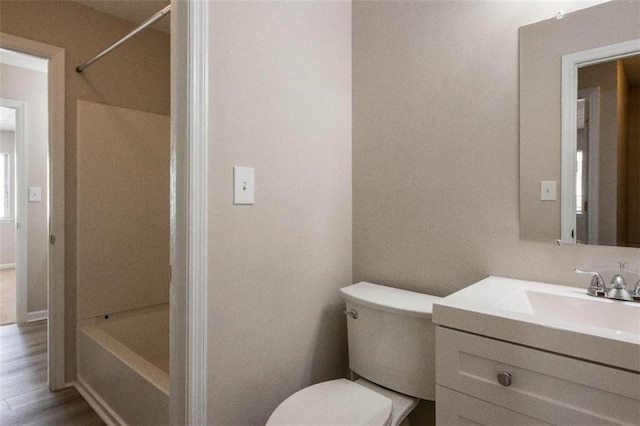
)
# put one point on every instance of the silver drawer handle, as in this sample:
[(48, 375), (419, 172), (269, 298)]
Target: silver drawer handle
[(504, 378), (352, 313)]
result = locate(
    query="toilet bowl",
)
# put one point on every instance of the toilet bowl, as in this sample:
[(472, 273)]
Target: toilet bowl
[(392, 344)]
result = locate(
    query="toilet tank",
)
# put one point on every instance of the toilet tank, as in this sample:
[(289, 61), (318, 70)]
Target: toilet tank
[(392, 339)]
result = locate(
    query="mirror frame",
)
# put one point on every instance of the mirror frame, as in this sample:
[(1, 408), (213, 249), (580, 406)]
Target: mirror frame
[(570, 65)]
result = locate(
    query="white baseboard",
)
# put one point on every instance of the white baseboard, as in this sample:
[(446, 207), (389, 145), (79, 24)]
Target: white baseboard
[(7, 266), (102, 409), (37, 316)]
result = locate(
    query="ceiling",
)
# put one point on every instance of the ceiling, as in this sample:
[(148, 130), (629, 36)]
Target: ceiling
[(136, 11)]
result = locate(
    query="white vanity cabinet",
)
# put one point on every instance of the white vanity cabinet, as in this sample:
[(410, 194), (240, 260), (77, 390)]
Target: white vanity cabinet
[(538, 387)]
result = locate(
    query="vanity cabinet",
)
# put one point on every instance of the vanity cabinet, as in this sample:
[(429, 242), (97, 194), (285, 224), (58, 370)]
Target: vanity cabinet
[(538, 387)]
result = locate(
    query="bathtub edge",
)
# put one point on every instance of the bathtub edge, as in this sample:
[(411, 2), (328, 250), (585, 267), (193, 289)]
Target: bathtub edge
[(99, 405), (94, 344), (154, 375)]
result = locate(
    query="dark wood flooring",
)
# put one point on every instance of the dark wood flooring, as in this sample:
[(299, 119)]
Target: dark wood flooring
[(24, 395)]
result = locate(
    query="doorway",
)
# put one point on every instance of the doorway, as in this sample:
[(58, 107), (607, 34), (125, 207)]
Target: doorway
[(587, 170), (24, 154), (8, 242), (38, 187)]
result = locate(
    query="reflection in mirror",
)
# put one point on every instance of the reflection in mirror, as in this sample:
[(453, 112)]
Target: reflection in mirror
[(542, 108), (603, 202)]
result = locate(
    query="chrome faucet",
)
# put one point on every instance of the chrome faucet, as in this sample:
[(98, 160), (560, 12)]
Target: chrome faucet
[(596, 288), (618, 289)]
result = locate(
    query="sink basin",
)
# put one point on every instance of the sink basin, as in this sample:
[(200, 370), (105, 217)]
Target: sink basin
[(555, 318), (615, 316)]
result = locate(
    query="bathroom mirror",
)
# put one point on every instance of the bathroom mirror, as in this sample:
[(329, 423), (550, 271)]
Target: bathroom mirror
[(601, 146), (542, 48)]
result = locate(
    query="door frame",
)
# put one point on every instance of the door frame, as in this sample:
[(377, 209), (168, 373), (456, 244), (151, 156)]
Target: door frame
[(20, 208), (56, 97), (189, 162), (592, 96)]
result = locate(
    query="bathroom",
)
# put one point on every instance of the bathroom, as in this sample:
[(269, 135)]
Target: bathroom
[(385, 142)]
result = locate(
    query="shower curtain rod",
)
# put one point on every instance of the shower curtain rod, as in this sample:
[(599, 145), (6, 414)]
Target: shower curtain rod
[(141, 27)]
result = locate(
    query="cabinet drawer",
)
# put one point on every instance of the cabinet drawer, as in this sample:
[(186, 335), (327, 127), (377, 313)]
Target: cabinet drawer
[(455, 408), (550, 387)]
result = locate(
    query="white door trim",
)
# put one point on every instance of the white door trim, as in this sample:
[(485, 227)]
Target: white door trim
[(189, 116), (592, 95), (21, 224), (56, 92), (197, 234)]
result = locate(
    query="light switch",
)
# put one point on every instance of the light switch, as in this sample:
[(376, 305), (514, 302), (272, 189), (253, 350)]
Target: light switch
[(35, 194), (548, 190), (243, 185)]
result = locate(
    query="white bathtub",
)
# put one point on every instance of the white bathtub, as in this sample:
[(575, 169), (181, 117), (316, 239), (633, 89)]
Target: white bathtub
[(123, 366)]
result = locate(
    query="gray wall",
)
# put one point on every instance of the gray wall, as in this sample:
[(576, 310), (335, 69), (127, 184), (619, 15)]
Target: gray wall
[(435, 149), (281, 98), (30, 86)]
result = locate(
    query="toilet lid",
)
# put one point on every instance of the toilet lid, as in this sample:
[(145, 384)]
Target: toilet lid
[(337, 402)]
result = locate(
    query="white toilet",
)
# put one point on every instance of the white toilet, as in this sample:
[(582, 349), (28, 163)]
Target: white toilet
[(391, 349)]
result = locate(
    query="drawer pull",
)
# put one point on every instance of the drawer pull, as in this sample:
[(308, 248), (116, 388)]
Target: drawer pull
[(504, 378)]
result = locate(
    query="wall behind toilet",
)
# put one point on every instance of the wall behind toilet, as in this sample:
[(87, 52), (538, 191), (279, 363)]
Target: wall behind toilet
[(435, 149), (281, 103)]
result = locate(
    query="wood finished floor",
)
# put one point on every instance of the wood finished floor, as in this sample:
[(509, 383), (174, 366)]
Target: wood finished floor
[(24, 396)]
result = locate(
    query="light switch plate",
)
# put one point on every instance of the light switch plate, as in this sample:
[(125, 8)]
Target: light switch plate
[(243, 185), (548, 190), (35, 194)]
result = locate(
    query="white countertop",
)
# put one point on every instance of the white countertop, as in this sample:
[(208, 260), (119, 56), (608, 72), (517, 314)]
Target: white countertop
[(550, 317)]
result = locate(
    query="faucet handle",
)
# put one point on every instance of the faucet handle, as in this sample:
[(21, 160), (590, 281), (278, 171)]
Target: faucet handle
[(618, 281), (597, 282), (636, 291), (618, 289)]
